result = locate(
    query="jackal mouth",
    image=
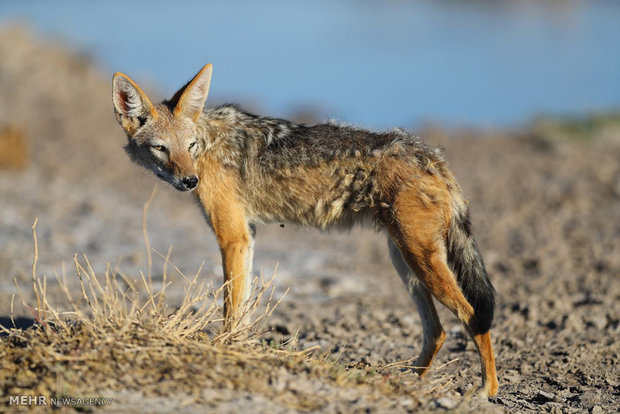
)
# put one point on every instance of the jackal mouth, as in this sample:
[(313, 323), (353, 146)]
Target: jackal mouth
[(183, 188), (177, 184), (181, 185)]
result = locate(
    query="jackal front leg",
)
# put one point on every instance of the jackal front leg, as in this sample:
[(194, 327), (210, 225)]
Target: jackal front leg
[(236, 240), (236, 261)]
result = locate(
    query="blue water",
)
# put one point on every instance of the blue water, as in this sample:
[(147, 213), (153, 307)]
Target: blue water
[(373, 63)]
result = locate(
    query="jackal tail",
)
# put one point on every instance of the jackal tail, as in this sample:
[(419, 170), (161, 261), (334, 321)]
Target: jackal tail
[(466, 263)]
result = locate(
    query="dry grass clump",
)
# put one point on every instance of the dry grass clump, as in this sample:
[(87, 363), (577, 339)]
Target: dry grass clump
[(120, 334), (13, 148)]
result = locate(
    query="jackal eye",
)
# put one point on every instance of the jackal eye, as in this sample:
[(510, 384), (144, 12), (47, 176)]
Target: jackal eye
[(160, 148), (192, 145)]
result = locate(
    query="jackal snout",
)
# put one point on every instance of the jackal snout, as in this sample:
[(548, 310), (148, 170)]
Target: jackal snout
[(180, 169), (190, 182)]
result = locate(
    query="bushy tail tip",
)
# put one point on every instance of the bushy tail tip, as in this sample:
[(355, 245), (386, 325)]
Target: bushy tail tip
[(466, 263)]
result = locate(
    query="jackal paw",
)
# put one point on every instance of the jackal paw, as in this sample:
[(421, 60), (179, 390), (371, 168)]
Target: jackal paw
[(420, 369), (485, 391)]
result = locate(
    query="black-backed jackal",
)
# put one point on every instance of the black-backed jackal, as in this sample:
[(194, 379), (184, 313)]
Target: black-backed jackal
[(246, 169)]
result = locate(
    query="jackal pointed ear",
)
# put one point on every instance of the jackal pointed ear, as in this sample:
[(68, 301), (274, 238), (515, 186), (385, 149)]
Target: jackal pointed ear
[(131, 106), (191, 98)]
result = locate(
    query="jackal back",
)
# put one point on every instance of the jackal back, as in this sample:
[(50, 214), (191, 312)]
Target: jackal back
[(321, 175)]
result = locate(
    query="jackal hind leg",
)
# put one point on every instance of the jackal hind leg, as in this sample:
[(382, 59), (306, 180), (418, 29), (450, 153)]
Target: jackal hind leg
[(419, 238), (434, 335)]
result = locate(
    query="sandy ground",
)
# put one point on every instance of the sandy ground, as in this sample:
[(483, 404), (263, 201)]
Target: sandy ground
[(546, 212)]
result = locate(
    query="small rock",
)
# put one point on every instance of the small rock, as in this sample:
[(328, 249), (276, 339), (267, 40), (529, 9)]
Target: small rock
[(512, 378), (526, 368), (544, 396), (599, 321), (502, 401), (547, 395), (446, 403), (611, 381), (596, 409)]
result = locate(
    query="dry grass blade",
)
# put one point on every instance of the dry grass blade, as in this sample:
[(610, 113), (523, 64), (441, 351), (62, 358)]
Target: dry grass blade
[(34, 267), (147, 242)]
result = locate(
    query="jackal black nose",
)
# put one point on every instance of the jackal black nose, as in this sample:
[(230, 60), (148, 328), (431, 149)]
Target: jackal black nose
[(190, 182)]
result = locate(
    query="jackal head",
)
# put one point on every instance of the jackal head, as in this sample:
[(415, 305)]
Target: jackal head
[(163, 138)]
